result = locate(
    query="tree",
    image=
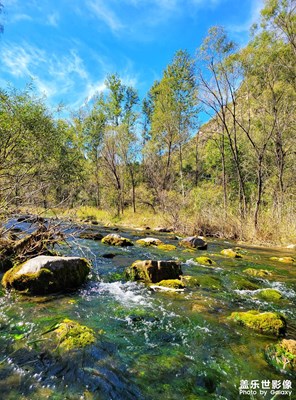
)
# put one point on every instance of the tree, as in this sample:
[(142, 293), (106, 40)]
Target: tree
[(219, 78), (171, 109)]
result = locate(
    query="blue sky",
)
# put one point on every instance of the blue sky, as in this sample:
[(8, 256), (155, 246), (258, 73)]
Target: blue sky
[(67, 47)]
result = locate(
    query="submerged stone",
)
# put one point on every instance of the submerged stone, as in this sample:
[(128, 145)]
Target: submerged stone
[(152, 271), (205, 261), (260, 273), (166, 247), (283, 355), (269, 295), (113, 239), (172, 283), (266, 322), (149, 241), (194, 242), (230, 253), (241, 283), (71, 335), (204, 281), (47, 274)]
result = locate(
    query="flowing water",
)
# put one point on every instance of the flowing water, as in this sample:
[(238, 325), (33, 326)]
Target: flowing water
[(150, 344)]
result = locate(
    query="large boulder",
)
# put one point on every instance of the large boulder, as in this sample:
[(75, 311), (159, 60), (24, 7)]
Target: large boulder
[(194, 242), (151, 271), (114, 239), (47, 274)]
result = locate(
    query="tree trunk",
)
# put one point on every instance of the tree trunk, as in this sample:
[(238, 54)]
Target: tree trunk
[(259, 191)]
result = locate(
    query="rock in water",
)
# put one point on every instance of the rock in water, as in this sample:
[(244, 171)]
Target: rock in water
[(149, 241), (151, 271), (114, 239), (194, 242), (230, 253), (265, 322), (47, 274)]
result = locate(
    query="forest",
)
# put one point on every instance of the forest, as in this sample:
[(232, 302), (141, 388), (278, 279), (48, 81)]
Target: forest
[(210, 150)]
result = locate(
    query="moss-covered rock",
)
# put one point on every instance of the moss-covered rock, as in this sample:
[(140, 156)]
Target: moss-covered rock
[(71, 335), (241, 283), (269, 295), (231, 253), (288, 260), (166, 247), (151, 271), (89, 235), (172, 283), (205, 261), (47, 274), (113, 239), (266, 322), (190, 281), (260, 273), (283, 355), (194, 242), (149, 241)]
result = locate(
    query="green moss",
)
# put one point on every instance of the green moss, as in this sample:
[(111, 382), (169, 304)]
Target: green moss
[(269, 295), (149, 242), (167, 247), (283, 355), (241, 283), (72, 335), (260, 273), (172, 283), (205, 261), (28, 283), (231, 253), (205, 281), (266, 322)]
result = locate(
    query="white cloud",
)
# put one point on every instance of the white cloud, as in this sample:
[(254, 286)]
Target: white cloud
[(19, 60), (105, 14), (53, 19), (20, 17)]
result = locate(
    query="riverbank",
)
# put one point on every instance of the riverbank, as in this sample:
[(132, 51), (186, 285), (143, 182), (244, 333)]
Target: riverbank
[(282, 236)]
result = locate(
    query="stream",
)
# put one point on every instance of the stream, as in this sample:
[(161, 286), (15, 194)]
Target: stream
[(150, 344)]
